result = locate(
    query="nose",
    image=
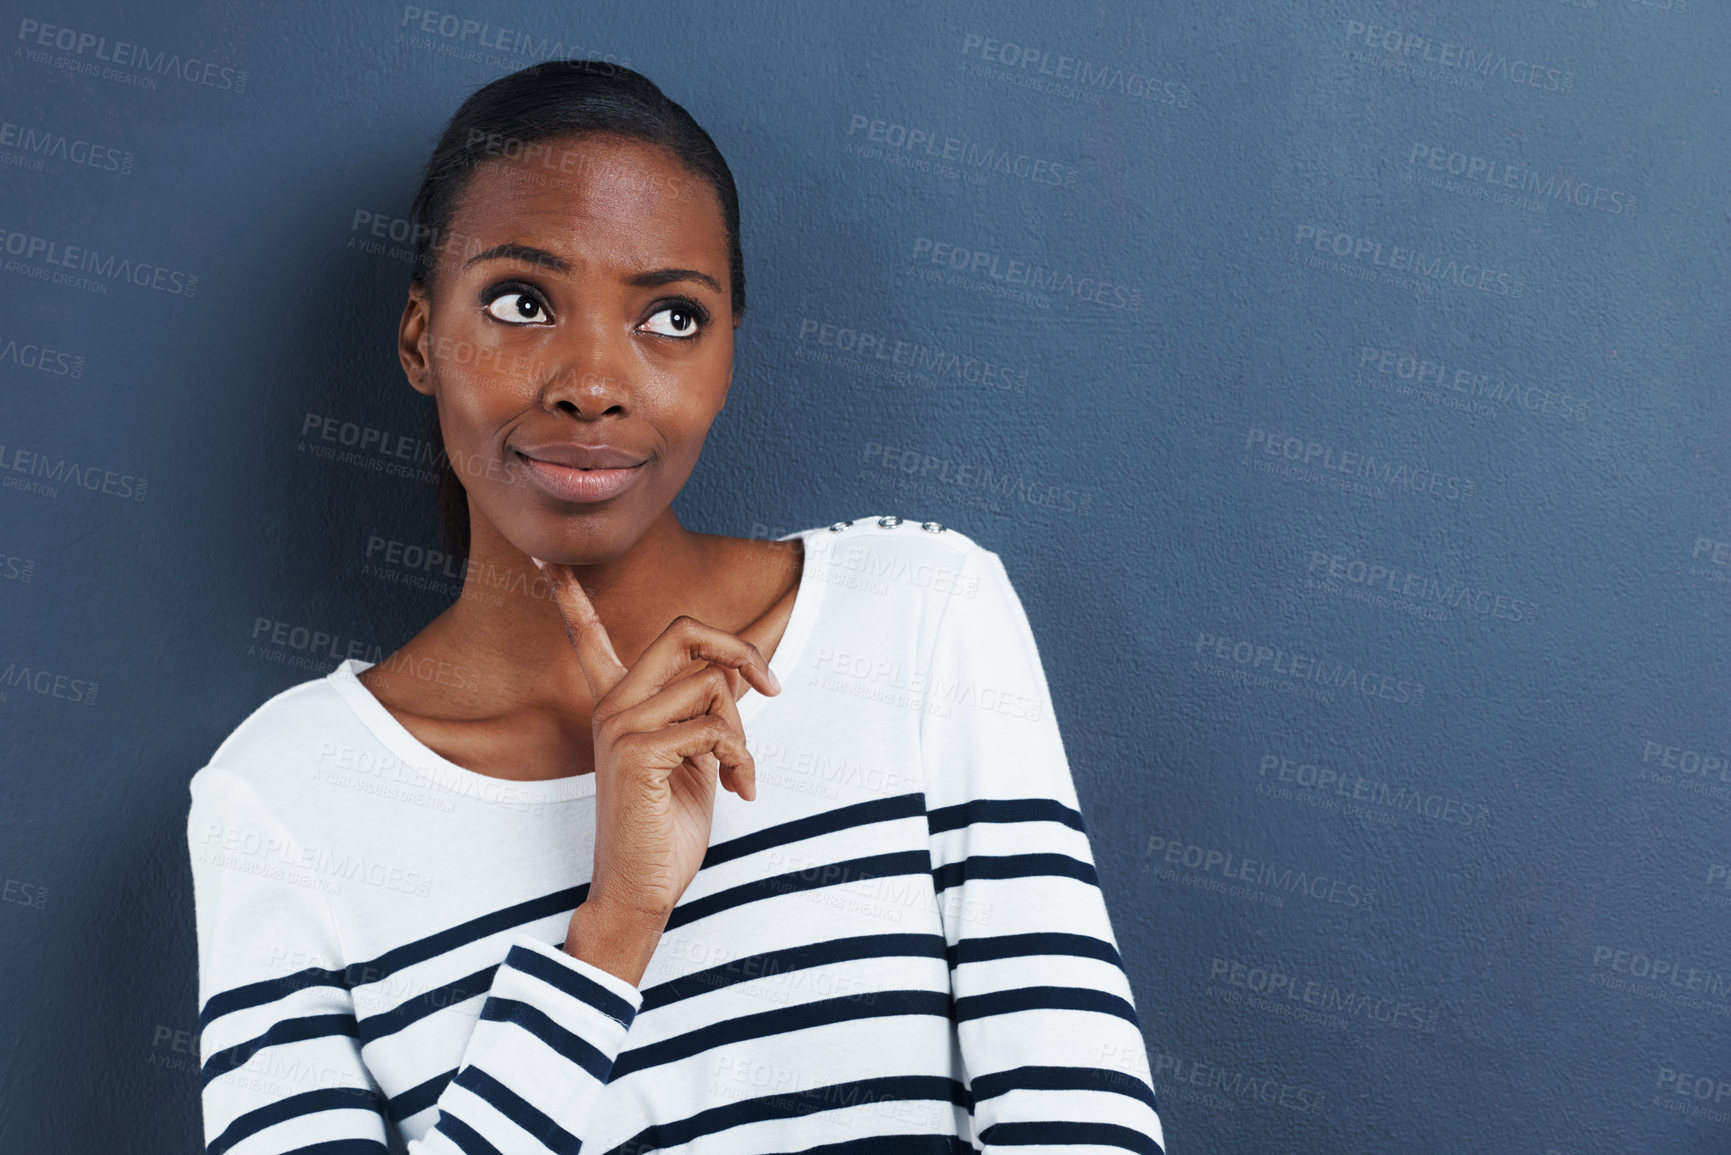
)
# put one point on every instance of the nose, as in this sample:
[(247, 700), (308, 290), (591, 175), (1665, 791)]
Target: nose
[(588, 377)]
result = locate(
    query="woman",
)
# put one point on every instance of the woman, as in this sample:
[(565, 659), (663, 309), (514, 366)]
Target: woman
[(486, 893)]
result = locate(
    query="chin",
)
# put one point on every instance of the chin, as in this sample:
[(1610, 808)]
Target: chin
[(586, 538)]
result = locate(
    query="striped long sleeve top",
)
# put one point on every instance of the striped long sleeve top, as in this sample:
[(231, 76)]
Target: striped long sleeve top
[(900, 946)]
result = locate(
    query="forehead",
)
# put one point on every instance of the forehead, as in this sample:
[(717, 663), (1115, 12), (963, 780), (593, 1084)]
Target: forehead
[(596, 195)]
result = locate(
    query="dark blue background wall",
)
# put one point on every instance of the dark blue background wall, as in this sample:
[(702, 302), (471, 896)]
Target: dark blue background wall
[(1350, 382)]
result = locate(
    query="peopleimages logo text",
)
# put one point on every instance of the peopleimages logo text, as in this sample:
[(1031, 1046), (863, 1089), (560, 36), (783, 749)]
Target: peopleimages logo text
[(1464, 58), (37, 142), (28, 247), (1549, 186), (1039, 277), (1398, 258), (1086, 74), (123, 54), (1380, 470), (464, 31), (63, 471), (1278, 661), (1232, 866)]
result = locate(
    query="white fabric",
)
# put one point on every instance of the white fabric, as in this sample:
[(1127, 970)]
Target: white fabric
[(900, 946)]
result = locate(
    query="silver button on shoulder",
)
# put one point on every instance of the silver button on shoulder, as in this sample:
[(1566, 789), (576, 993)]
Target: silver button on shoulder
[(889, 521), (931, 527), (839, 526)]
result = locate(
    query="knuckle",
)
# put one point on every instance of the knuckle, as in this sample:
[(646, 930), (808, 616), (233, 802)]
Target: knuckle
[(607, 728)]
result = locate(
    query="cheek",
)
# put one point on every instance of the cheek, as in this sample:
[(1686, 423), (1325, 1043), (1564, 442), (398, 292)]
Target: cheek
[(468, 423), (478, 384), (683, 408), (691, 393)]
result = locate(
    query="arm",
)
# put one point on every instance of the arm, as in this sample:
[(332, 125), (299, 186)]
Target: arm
[(1050, 1042), (278, 1039)]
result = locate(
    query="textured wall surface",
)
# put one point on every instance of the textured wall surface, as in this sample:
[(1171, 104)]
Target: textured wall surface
[(1342, 384)]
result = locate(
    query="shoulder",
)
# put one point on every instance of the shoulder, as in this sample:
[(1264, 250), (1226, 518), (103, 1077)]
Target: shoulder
[(891, 527), (888, 544), (926, 554), (929, 572), (936, 598), (276, 750)]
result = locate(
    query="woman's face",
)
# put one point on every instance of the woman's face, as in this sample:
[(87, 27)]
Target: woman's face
[(578, 341)]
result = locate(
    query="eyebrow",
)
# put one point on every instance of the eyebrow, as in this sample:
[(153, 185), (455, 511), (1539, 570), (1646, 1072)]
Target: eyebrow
[(516, 252), (668, 276)]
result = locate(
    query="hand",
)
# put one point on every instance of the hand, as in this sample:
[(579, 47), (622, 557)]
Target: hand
[(664, 736)]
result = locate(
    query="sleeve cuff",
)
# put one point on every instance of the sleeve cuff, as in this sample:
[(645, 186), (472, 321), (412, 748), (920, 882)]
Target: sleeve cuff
[(602, 990)]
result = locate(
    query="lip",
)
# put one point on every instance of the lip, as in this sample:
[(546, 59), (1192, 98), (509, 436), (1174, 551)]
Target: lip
[(579, 455), (582, 473)]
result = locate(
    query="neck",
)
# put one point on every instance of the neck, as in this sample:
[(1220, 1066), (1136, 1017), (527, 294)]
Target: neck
[(506, 625)]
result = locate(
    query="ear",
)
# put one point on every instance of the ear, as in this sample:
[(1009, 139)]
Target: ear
[(412, 340)]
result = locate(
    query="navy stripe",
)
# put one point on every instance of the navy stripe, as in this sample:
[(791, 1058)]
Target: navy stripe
[(397, 958), (836, 1096), (534, 1020), (445, 941), (375, 1027), (830, 821), (1069, 1134), (781, 1021), (419, 1097), (811, 878), (519, 1110), (1012, 866), (294, 1107), (773, 963), (1000, 946), (1002, 810), (1062, 1079), (1043, 999), (466, 1138), (894, 1145), (287, 1031), (579, 987), (343, 1147), (266, 991)]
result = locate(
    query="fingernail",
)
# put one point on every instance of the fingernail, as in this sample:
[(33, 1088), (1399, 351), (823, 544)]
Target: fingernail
[(539, 564), (774, 682)]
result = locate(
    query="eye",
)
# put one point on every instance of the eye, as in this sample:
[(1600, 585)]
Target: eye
[(681, 319), (517, 307)]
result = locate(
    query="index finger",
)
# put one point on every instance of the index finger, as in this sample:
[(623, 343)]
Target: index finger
[(685, 643), (601, 665)]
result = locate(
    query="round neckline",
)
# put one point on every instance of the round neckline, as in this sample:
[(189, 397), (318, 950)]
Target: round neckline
[(793, 635), (403, 743)]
